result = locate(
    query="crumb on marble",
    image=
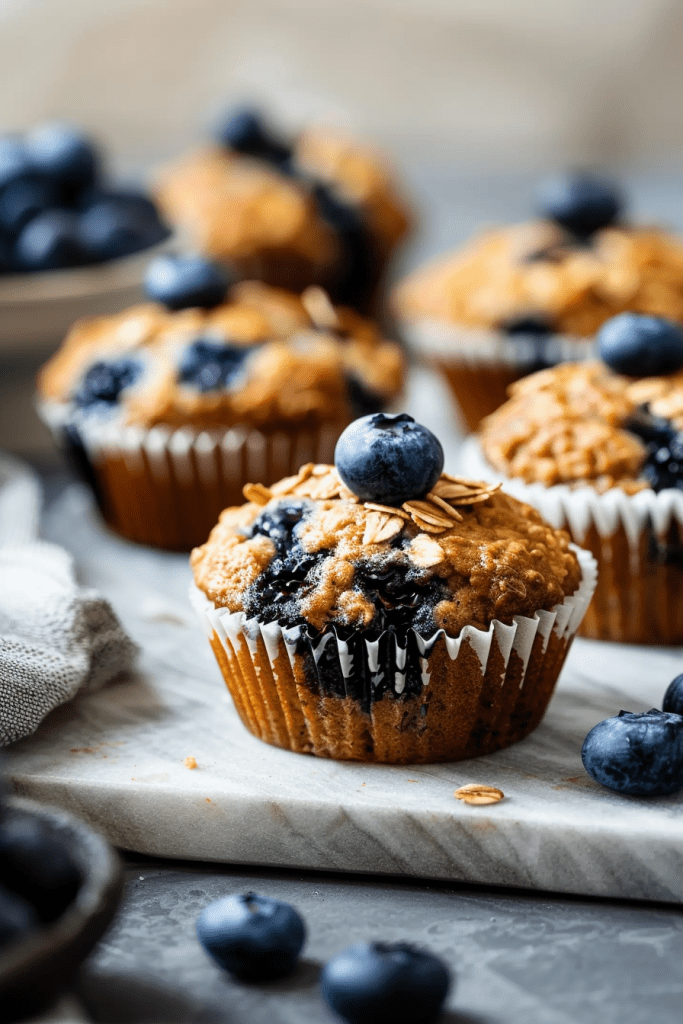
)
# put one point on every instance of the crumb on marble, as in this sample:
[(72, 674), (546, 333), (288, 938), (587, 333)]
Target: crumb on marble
[(190, 762)]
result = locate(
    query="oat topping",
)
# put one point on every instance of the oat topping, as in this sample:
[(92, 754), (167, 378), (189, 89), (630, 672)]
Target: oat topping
[(436, 513), (570, 425)]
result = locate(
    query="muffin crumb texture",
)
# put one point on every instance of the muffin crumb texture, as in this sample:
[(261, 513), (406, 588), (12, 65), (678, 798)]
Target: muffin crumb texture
[(312, 554), (576, 423)]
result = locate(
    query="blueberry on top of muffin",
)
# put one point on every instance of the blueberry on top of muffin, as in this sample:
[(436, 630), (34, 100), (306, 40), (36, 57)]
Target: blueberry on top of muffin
[(310, 552)]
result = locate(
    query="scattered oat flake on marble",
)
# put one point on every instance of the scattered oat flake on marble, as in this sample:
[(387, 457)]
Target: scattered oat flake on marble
[(380, 527), (257, 493), (476, 793)]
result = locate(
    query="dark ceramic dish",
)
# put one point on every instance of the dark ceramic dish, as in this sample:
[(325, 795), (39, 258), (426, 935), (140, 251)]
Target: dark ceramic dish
[(34, 970)]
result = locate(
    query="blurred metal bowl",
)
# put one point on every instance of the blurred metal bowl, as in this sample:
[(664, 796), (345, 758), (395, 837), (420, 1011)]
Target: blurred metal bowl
[(37, 309), (34, 970)]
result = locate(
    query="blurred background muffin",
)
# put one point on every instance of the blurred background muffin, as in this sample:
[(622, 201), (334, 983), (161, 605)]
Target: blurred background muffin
[(516, 299), (169, 408), (322, 209)]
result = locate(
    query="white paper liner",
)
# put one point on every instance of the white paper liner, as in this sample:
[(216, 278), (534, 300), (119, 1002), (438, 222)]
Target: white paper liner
[(582, 507), (564, 620), (477, 348), (233, 456)]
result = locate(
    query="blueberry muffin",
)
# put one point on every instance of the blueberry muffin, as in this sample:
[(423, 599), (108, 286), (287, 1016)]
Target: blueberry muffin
[(324, 210), (382, 610), (170, 407), (517, 299), (597, 447)]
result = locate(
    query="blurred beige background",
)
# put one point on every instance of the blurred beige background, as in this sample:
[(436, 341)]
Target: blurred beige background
[(517, 83)]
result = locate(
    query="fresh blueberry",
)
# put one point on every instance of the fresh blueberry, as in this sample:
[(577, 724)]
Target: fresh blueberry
[(17, 917), (639, 754), (378, 983), (104, 381), (673, 698), (641, 346), (245, 131), (15, 162), (663, 465), (208, 364), (388, 459), (581, 203), (180, 282), (36, 866), (51, 241), (64, 156), (21, 201), (109, 230), (252, 937)]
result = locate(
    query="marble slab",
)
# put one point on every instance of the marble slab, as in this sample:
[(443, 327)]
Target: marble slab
[(117, 759)]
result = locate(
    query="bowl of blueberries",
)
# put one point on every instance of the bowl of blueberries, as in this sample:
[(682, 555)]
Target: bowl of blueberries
[(60, 884), (72, 243)]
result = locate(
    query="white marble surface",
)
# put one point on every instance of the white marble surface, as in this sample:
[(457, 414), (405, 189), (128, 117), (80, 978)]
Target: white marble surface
[(116, 758)]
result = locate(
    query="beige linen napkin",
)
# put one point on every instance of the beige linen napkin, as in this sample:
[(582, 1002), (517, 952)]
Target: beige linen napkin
[(56, 637)]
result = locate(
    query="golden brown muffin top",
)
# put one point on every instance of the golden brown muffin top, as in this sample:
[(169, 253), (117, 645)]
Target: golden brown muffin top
[(295, 358), (307, 551), (534, 269), (246, 212), (570, 425)]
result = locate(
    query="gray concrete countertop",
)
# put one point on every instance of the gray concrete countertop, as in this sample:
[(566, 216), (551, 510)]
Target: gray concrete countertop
[(518, 957)]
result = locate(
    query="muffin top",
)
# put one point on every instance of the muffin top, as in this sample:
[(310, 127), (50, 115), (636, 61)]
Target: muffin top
[(326, 210), (263, 357), (582, 423), (309, 552), (537, 277)]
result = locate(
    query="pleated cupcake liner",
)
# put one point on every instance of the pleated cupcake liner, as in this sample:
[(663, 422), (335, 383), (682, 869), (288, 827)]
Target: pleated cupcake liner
[(400, 697), (166, 487), (637, 540), (480, 364)]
